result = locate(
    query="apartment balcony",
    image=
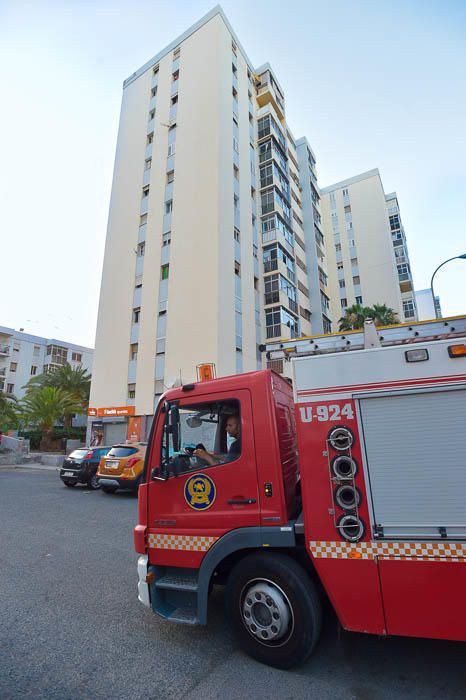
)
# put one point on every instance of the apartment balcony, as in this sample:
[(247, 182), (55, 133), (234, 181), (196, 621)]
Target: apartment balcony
[(4, 350), (279, 236), (406, 285), (267, 95), (3, 372), (279, 330), (280, 297)]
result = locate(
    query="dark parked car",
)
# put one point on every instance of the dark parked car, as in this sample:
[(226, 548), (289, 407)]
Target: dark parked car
[(81, 465)]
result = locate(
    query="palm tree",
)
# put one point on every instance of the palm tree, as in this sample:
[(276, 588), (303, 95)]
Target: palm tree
[(75, 381), (354, 318), (355, 315), (383, 315), (8, 411), (46, 405)]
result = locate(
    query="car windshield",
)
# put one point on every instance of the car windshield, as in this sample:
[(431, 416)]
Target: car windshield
[(122, 451), (78, 454)]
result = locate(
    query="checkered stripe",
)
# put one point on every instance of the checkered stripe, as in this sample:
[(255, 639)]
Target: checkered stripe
[(188, 543), (409, 551)]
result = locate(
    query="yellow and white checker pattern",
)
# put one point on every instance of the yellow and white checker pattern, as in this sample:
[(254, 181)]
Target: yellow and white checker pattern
[(187, 543), (404, 551)]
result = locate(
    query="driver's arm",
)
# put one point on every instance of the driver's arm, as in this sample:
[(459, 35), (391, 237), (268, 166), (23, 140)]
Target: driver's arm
[(210, 458)]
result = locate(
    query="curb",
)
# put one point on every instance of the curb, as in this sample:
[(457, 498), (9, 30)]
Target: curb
[(38, 467)]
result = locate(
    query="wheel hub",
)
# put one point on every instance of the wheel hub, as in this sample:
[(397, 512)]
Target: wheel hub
[(265, 611)]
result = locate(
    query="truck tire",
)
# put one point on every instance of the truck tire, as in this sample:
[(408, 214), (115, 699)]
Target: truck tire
[(274, 609)]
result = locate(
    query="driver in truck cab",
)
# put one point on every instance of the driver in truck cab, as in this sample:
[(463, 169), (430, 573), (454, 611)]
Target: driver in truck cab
[(233, 428)]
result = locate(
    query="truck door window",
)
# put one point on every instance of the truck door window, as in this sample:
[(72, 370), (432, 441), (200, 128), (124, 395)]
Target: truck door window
[(200, 436)]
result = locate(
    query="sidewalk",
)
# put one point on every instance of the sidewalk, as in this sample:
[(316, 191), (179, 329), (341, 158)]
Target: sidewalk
[(31, 465)]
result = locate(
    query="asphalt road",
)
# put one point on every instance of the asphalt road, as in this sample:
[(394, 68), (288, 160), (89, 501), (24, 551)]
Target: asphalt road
[(71, 626)]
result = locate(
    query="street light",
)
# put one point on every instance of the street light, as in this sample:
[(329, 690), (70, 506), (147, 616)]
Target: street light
[(456, 257)]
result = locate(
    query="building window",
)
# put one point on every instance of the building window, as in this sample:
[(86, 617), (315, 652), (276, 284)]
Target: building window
[(408, 308), (34, 369), (131, 391), (142, 219), (150, 137), (169, 206), (235, 93), (148, 164), (174, 99), (234, 69), (235, 145), (10, 388), (343, 302), (175, 76), (340, 266), (153, 91), (166, 238), (358, 300), (256, 284), (151, 114), (155, 70), (342, 283), (338, 247), (176, 53), (76, 356), (170, 176), (236, 234), (348, 209), (145, 191), (345, 192), (237, 268), (36, 350), (171, 150), (236, 172), (164, 270), (356, 279), (133, 351), (235, 201), (141, 249), (13, 366), (233, 47), (136, 314)]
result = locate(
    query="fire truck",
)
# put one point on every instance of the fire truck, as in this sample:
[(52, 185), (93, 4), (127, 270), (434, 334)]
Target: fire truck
[(346, 484)]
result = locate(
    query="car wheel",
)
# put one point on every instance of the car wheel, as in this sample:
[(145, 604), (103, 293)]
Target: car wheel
[(70, 483), (109, 489), (93, 483), (274, 609)]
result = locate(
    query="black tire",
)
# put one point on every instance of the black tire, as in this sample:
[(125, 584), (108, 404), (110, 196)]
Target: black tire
[(70, 483), (296, 596), (109, 489), (93, 483)]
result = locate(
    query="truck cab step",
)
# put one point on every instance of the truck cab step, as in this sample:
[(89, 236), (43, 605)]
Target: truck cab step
[(184, 616), (178, 582)]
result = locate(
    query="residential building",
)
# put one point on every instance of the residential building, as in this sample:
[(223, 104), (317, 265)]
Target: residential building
[(366, 247), (23, 356), (207, 251), (425, 305)]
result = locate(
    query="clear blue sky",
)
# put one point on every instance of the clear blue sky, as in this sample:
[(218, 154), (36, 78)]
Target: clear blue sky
[(370, 84)]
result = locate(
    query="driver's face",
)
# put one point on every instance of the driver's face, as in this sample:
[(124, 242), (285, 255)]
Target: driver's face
[(233, 427)]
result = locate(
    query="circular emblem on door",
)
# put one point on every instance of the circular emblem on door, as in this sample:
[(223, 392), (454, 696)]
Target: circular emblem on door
[(200, 492)]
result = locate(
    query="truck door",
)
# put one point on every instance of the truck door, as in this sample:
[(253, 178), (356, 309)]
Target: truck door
[(192, 502)]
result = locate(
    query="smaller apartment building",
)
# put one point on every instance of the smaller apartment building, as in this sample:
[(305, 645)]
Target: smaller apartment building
[(366, 248), (23, 356)]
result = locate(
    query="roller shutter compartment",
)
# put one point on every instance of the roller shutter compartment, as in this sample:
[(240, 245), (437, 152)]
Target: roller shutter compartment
[(415, 447)]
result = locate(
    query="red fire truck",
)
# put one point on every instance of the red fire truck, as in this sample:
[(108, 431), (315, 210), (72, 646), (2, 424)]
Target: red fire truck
[(349, 486)]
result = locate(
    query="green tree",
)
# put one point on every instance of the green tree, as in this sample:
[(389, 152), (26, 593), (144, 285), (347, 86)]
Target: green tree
[(44, 406), (355, 315), (9, 416), (75, 381)]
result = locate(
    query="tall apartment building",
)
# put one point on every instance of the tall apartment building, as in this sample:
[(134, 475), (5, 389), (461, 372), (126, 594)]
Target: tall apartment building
[(23, 356), (213, 226), (366, 247)]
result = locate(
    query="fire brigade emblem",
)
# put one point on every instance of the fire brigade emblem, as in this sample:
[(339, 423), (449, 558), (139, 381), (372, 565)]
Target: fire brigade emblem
[(200, 492)]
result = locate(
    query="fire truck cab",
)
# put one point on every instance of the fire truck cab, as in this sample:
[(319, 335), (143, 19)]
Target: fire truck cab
[(350, 486)]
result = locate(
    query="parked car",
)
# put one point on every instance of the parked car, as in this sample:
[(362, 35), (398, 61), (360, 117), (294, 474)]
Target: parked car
[(122, 467), (81, 465)]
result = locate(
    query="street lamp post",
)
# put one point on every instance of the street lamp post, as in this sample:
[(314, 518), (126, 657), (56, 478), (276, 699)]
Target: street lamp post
[(455, 257)]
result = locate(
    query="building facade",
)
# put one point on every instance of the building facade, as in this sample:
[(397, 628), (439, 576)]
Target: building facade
[(425, 305), (212, 229), (23, 356), (366, 248)]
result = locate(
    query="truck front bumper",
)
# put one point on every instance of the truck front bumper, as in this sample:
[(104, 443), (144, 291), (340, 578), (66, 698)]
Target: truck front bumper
[(143, 586)]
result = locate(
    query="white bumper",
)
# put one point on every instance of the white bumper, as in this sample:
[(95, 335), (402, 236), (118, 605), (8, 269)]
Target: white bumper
[(143, 586)]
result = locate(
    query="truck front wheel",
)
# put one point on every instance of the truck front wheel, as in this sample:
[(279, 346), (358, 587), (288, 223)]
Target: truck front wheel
[(274, 609)]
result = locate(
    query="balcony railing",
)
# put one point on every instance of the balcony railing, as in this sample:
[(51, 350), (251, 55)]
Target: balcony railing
[(4, 350)]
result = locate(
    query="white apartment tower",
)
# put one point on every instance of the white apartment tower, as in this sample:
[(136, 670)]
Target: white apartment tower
[(207, 249), (366, 247)]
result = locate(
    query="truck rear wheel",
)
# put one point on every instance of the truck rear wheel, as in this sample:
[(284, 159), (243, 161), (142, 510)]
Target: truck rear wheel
[(274, 609)]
